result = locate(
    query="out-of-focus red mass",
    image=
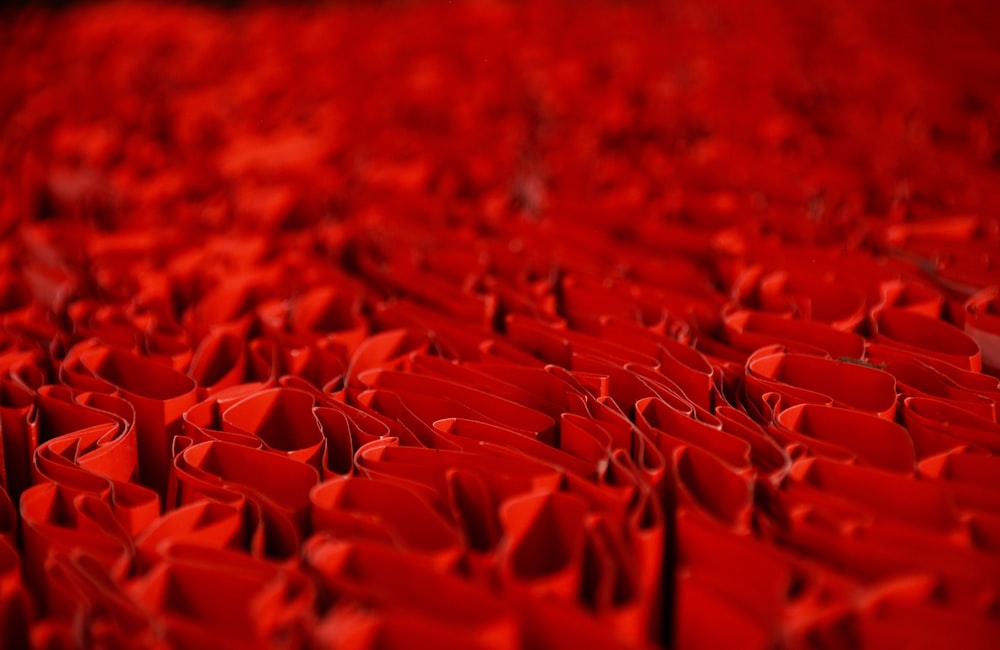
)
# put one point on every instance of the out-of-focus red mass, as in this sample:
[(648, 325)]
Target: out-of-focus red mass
[(538, 324)]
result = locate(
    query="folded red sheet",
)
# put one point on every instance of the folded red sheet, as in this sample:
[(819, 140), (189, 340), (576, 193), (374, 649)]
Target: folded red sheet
[(506, 325)]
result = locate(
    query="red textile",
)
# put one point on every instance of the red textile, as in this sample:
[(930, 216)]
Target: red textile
[(536, 324)]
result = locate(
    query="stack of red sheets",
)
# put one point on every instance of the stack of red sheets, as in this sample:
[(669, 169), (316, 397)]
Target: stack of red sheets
[(534, 324)]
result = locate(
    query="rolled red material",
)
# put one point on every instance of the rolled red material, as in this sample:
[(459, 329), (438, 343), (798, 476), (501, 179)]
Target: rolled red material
[(509, 325)]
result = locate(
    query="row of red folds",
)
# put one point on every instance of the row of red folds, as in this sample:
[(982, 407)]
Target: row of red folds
[(475, 442)]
